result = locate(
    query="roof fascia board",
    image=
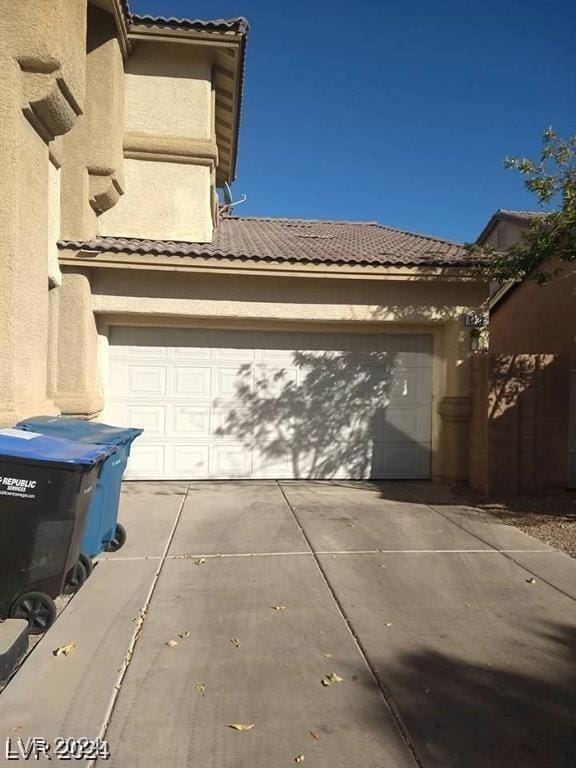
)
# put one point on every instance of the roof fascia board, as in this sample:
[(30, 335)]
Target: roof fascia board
[(89, 258), (191, 37)]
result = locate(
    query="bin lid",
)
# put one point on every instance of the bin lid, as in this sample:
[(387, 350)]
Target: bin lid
[(82, 431), (24, 447)]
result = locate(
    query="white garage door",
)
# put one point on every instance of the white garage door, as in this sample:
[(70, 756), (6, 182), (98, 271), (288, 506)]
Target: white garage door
[(260, 404)]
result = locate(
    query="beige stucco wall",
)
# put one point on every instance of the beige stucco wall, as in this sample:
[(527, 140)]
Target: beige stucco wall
[(163, 201), (169, 146), (78, 378), (208, 294), (168, 91), (61, 146), (92, 156), (125, 297), (54, 213), (42, 71)]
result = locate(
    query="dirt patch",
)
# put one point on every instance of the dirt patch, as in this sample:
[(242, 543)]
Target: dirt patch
[(548, 517)]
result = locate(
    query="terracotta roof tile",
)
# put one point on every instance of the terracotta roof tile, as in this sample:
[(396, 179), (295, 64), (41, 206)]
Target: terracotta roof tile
[(298, 241), (239, 24)]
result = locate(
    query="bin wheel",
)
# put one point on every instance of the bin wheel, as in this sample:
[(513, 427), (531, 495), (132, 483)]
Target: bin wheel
[(77, 575), (87, 563), (118, 540), (37, 608)]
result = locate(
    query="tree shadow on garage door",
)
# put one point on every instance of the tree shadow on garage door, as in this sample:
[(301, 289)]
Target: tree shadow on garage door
[(325, 416)]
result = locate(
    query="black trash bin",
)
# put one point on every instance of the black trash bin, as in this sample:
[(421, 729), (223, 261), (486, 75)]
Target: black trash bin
[(46, 484)]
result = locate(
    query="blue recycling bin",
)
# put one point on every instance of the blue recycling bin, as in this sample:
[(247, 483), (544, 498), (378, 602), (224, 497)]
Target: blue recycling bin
[(103, 531), (46, 485)]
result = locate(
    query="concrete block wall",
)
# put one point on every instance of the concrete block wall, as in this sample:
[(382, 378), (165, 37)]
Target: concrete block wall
[(519, 424)]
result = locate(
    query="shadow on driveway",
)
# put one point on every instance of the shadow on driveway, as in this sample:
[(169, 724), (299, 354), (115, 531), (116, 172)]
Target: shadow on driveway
[(462, 715)]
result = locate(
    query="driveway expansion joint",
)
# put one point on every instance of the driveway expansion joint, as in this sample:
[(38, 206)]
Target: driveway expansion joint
[(139, 624), (384, 693), (508, 553)]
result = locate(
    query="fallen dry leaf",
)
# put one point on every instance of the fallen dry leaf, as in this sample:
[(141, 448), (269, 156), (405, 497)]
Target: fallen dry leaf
[(64, 650), (185, 634), (200, 688), (331, 679), (241, 726), (236, 642), (278, 607), (299, 759), (171, 643)]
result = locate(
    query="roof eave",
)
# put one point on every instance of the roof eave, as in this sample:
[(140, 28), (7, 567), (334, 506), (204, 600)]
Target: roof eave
[(87, 255), (119, 10)]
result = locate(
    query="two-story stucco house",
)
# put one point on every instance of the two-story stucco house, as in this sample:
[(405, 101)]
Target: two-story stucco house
[(245, 347)]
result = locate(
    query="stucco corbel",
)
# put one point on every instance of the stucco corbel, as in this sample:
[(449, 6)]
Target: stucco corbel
[(48, 102), (105, 189)]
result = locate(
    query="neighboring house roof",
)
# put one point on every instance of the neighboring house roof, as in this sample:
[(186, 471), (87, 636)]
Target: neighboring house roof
[(299, 241), (502, 292), (517, 217)]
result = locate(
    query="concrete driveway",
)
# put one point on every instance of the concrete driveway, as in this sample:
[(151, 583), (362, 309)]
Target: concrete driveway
[(454, 635)]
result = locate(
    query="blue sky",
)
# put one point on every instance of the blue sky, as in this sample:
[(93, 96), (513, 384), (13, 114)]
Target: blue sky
[(400, 112)]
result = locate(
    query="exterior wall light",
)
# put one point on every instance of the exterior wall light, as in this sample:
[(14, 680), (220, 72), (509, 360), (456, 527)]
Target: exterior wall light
[(475, 344)]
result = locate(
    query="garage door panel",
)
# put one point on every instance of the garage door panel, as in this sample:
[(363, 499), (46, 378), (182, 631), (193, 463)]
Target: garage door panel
[(147, 461), (146, 379), (274, 467), (151, 418), (410, 386), (190, 461), (228, 380), (240, 354), (192, 353), (410, 461), (272, 381), (190, 421), (230, 461), (191, 381), (401, 425), (235, 404)]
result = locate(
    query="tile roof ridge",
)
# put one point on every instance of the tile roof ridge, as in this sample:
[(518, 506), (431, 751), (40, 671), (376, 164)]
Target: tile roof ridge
[(524, 212), (296, 220), (434, 238)]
